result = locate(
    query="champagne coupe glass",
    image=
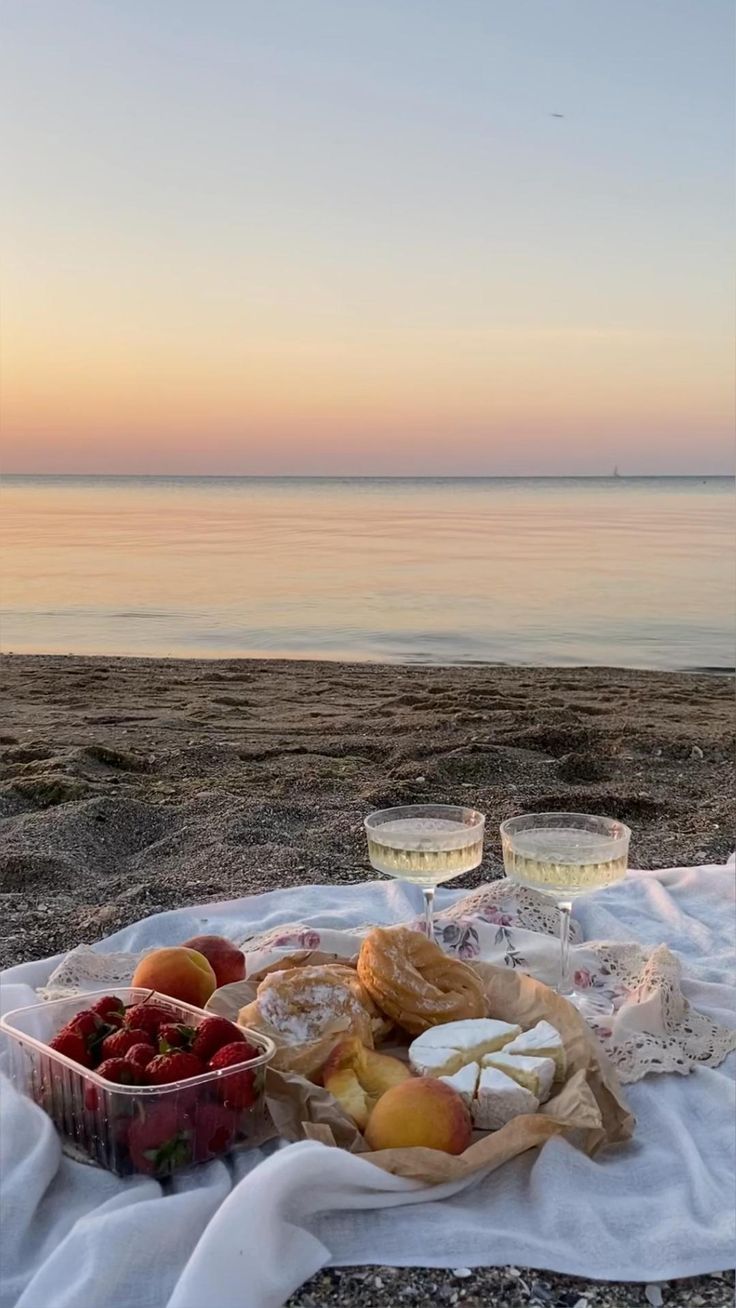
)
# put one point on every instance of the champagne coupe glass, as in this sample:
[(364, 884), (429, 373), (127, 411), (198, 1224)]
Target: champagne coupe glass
[(565, 855), (425, 844)]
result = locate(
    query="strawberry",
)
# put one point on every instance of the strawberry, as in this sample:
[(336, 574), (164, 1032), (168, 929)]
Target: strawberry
[(160, 1140), (117, 1044), (212, 1034), (140, 1056), (176, 1066), (87, 1024), (237, 1090), (174, 1035), (70, 1043), (94, 1031), (214, 1130), (111, 1070), (147, 1017), (110, 1008), (119, 1070)]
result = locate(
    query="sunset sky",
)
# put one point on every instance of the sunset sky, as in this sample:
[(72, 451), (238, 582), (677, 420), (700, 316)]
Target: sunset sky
[(348, 236)]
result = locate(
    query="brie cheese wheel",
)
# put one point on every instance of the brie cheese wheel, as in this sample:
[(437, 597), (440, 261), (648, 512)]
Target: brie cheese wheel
[(534, 1074), (465, 1081), (542, 1041), (462, 1042), (499, 1071), (499, 1099)]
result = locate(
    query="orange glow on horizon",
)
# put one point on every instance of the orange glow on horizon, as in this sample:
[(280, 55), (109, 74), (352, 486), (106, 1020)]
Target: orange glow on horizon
[(305, 404)]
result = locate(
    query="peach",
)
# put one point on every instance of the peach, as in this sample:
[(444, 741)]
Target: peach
[(357, 1077), (177, 972), (225, 959), (421, 1111)]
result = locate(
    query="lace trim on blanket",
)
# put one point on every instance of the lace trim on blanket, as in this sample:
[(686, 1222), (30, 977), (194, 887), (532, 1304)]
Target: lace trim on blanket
[(653, 982)]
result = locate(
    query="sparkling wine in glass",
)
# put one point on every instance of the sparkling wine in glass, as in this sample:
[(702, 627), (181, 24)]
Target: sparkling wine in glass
[(565, 855), (425, 844)]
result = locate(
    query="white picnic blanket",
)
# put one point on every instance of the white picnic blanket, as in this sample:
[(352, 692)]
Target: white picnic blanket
[(246, 1233)]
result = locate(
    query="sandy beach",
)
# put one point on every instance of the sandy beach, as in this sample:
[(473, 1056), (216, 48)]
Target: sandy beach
[(131, 786)]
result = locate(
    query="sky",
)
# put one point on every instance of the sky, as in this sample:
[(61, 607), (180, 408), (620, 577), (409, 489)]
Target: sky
[(316, 237)]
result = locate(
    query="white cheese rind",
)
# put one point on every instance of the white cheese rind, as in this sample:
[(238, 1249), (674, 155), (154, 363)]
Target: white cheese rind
[(469, 1039), (499, 1100), (485, 1033), (435, 1062), (534, 1074), (542, 1041), (468, 1032), (465, 1082)]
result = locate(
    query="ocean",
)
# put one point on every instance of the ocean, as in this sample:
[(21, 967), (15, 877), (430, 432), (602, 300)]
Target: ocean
[(632, 572)]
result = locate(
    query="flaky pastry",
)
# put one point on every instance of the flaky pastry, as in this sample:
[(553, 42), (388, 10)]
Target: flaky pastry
[(304, 1010), (415, 983)]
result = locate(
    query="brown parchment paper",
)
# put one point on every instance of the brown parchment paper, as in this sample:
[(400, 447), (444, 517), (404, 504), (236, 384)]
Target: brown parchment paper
[(589, 1108)]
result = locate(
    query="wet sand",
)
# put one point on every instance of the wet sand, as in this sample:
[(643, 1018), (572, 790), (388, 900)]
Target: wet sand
[(130, 786)]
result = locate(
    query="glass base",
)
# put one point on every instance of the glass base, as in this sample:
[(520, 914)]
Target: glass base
[(591, 1007)]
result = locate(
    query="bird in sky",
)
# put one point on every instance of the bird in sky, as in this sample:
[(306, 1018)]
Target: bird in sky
[(557, 115)]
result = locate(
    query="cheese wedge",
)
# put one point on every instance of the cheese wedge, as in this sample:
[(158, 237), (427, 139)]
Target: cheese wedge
[(435, 1062), (534, 1074), (499, 1100), (542, 1041), (466, 1042), (465, 1082)]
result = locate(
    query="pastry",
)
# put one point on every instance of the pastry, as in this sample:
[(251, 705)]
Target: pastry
[(534, 1074), (542, 1041), (304, 1010), (499, 1099), (441, 1050), (357, 1077), (415, 983)]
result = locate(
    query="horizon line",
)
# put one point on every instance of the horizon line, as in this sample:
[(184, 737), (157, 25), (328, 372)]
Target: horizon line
[(386, 476)]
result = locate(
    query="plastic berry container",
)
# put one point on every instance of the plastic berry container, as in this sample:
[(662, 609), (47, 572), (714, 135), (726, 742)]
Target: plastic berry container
[(156, 1129)]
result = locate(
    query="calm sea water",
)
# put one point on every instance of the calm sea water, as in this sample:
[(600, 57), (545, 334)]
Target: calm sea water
[(634, 572)]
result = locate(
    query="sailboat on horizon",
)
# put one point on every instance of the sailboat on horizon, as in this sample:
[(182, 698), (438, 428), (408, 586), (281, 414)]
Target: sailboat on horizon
[(616, 473)]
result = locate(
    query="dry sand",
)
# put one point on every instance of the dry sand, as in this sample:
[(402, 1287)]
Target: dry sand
[(132, 785)]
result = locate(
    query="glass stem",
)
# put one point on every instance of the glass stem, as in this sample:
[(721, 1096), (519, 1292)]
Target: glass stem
[(428, 892), (565, 986)]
